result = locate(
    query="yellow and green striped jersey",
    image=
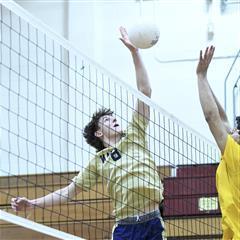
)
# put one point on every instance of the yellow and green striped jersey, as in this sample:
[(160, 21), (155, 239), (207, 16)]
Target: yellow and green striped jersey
[(129, 171)]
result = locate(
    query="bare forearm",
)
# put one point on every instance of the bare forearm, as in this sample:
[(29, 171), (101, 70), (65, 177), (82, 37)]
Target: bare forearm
[(207, 100), (51, 199), (143, 83), (56, 198), (222, 113)]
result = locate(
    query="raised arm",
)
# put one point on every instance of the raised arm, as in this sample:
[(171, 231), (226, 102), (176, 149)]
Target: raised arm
[(207, 100), (58, 197), (222, 113), (142, 79)]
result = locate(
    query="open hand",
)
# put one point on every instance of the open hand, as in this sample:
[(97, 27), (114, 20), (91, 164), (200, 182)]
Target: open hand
[(124, 38), (204, 61)]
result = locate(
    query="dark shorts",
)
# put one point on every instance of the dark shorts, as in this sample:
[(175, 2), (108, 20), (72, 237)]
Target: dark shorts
[(149, 230)]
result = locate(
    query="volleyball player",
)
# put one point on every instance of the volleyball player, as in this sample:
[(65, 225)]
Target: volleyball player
[(124, 161), (228, 140)]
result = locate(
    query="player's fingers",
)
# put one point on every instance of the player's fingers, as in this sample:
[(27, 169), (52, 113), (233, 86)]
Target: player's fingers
[(123, 31), (206, 53), (14, 205), (20, 199), (200, 56), (211, 52), (14, 209)]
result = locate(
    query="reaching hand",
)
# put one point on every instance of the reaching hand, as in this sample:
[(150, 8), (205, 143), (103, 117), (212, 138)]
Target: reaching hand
[(20, 204), (126, 40), (204, 61)]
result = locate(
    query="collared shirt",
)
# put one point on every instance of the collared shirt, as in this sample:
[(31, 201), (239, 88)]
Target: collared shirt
[(228, 185), (129, 171)]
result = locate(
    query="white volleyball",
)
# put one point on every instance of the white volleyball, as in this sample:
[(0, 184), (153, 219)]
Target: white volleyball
[(144, 35)]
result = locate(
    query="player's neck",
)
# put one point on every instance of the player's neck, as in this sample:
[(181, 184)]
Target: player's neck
[(112, 141)]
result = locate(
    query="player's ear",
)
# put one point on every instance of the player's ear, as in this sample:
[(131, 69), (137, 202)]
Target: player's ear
[(98, 134)]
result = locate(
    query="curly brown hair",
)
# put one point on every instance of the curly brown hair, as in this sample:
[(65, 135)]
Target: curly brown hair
[(92, 127)]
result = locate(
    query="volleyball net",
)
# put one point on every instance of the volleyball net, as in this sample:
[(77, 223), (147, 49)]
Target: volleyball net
[(49, 92)]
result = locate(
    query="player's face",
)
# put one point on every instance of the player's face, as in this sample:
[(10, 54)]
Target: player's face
[(236, 135), (109, 126)]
